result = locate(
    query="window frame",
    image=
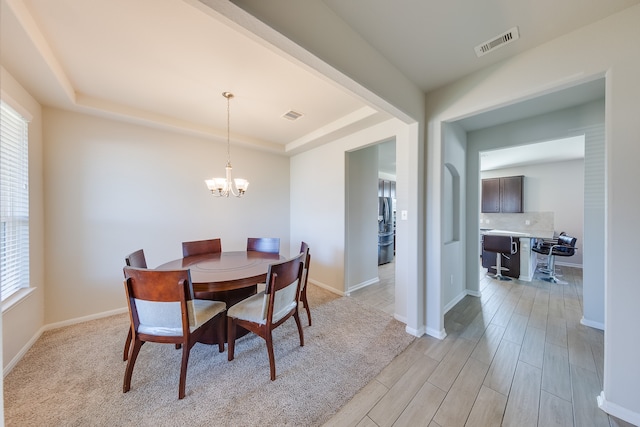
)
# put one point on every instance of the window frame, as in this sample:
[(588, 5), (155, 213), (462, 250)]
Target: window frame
[(15, 198)]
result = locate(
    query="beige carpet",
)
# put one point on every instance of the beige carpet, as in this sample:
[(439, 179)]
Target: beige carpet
[(73, 376)]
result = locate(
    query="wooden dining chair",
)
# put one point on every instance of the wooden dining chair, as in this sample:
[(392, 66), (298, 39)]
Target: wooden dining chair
[(199, 247), (162, 310), (304, 249), (138, 260), (265, 311), (264, 244)]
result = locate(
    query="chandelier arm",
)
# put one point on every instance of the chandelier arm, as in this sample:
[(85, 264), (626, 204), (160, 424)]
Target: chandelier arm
[(223, 187)]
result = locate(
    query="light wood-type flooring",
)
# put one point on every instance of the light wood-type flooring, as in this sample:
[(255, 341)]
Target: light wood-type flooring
[(517, 356)]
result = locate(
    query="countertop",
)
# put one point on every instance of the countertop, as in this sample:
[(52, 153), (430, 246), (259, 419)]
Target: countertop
[(539, 234)]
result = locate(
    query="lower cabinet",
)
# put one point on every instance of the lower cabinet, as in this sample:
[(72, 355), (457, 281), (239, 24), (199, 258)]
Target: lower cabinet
[(512, 262)]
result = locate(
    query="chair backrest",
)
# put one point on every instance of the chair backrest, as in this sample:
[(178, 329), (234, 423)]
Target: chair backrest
[(199, 247), (304, 249), (282, 287), (567, 246), (500, 244), (264, 244), (136, 259), (160, 301)]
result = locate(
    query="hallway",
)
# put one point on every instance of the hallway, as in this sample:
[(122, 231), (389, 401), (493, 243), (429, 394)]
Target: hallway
[(517, 356)]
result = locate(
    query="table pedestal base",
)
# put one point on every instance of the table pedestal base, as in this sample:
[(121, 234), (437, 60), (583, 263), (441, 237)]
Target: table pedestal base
[(230, 297)]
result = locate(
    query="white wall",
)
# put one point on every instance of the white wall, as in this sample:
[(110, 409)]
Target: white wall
[(299, 29), (454, 206), (22, 323), (588, 120), (362, 218), (318, 185), (554, 187), (112, 188), (606, 48)]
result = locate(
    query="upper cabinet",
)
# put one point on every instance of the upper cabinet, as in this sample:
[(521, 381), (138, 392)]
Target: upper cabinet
[(503, 195)]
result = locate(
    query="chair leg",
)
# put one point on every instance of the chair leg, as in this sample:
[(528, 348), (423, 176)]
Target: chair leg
[(231, 338), (272, 360), (296, 316), (127, 345), (130, 363), (220, 326), (499, 275), (303, 297), (186, 348)]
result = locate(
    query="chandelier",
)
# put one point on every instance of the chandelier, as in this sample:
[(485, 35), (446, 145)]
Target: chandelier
[(224, 187)]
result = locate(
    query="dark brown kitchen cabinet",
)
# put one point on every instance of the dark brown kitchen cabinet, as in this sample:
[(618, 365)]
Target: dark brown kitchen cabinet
[(491, 195), (503, 195)]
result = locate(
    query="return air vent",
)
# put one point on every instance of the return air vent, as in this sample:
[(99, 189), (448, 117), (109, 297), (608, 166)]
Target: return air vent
[(292, 115), (497, 42)]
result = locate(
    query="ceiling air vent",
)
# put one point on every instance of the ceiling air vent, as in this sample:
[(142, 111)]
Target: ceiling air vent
[(496, 42), (292, 115)]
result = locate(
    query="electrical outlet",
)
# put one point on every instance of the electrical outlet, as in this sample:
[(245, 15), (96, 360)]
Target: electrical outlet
[(527, 222), (451, 279)]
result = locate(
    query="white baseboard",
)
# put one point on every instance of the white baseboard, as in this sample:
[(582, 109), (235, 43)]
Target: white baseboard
[(415, 332), (402, 319), (52, 326), (85, 318), (22, 352), (617, 410), (592, 324), (328, 288), (363, 285), (476, 294), (441, 334), (454, 301)]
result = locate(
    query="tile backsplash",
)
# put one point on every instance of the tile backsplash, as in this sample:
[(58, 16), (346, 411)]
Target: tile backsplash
[(523, 222)]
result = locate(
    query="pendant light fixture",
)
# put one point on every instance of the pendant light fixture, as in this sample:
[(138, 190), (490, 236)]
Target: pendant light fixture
[(224, 187)]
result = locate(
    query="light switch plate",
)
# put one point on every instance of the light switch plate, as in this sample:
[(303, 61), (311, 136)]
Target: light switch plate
[(403, 215)]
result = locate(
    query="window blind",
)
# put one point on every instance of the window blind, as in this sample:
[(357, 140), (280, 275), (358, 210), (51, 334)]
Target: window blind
[(14, 201)]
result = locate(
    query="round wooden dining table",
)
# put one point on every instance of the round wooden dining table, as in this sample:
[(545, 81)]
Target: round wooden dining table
[(225, 276)]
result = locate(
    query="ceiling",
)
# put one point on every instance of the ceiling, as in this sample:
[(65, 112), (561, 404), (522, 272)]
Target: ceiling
[(166, 63), (556, 150)]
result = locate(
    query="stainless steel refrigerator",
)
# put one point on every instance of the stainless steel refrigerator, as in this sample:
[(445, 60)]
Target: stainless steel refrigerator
[(386, 230)]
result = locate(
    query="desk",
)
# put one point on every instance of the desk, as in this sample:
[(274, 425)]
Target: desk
[(225, 276)]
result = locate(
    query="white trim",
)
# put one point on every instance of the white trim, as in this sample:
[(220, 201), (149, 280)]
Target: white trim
[(617, 410), (51, 326), (15, 299), (363, 285), (476, 294), (454, 301), (22, 352), (592, 324), (415, 332), (16, 106), (441, 334), (85, 318), (327, 288), (402, 319)]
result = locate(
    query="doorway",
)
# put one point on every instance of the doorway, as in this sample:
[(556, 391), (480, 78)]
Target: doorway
[(377, 290)]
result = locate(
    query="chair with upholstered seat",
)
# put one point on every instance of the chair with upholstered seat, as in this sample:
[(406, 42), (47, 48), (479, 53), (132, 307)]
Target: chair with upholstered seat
[(199, 247), (264, 244), (162, 310), (501, 245), (138, 260), (304, 249), (265, 311), (565, 246)]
